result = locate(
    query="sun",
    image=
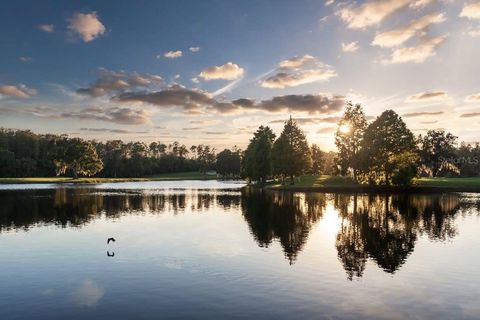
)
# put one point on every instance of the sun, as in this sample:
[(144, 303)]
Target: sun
[(345, 128)]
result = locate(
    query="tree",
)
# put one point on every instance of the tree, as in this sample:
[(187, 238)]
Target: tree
[(290, 153), (437, 150), (387, 148), (317, 160), (348, 139), (228, 163), (205, 158), (257, 162), (79, 156)]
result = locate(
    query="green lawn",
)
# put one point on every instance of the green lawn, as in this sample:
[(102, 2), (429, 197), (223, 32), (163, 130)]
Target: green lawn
[(162, 177), (336, 182), (448, 182), (309, 181)]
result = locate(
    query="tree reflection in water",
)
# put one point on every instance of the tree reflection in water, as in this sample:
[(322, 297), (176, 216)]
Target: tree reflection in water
[(383, 228), (380, 228)]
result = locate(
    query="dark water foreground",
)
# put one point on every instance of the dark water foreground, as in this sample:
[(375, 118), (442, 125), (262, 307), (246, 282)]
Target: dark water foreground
[(210, 250)]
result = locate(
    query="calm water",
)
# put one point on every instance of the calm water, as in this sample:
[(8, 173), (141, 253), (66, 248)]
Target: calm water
[(210, 250)]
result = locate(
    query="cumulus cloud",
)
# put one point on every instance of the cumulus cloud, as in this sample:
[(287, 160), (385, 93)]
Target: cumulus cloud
[(47, 28), (173, 54), (399, 36), (471, 11), (417, 54), (17, 91), (470, 115), (296, 62), (228, 71), (428, 96), (422, 114), (194, 49), (350, 47), (118, 81), (370, 13), (86, 25), (297, 71), (117, 115), (473, 98)]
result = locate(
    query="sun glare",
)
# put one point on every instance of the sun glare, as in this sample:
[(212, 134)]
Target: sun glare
[(345, 128)]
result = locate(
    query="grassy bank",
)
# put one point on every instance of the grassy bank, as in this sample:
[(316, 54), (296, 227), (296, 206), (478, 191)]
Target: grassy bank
[(162, 177), (339, 184)]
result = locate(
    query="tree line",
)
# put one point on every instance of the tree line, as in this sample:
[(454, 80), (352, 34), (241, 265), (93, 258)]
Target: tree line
[(382, 152), (26, 154)]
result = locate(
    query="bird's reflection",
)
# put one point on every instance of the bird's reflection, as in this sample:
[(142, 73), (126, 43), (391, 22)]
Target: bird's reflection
[(110, 254)]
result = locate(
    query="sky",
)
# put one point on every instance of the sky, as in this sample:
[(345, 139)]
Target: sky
[(212, 71)]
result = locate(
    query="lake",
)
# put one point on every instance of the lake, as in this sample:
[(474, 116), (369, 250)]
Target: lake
[(208, 250)]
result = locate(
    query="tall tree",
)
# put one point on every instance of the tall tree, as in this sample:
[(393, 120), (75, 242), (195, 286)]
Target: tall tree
[(290, 153), (348, 139), (257, 162), (437, 149), (388, 148), (228, 163), (317, 160)]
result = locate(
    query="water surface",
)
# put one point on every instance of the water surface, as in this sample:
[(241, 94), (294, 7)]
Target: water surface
[(211, 250)]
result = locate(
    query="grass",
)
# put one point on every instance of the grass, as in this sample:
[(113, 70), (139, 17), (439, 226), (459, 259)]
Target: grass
[(337, 183), (161, 177)]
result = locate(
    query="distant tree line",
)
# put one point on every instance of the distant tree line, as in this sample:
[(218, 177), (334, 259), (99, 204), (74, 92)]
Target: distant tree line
[(25, 154)]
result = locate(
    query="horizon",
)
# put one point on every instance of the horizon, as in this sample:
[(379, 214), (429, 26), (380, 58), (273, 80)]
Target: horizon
[(212, 72)]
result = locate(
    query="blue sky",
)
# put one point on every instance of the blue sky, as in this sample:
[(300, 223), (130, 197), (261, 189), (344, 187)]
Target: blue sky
[(212, 71)]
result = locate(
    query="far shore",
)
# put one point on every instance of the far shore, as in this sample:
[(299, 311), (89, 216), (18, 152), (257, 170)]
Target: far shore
[(308, 183)]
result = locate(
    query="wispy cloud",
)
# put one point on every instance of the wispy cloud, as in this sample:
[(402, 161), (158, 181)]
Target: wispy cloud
[(399, 36), (350, 47), (428, 96), (417, 54), (422, 114), (47, 28), (17, 91), (473, 98), (194, 49)]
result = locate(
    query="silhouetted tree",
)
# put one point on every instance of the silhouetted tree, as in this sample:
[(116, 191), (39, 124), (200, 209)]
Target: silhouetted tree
[(257, 162), (437, 148)]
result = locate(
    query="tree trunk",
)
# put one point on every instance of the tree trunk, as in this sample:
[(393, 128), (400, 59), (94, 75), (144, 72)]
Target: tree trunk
[(292, 181)]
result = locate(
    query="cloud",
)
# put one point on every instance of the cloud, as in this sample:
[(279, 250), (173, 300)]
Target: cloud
[(326, 130), (429, 122), (350, 47), (296, 62), (173, 54), (198, 101), (370, 13), (89, 293), (17, 91), (428, 96), (422, 114), (228, 71), (25, 59), (419, 4), (107, 130), (471, 11), (470, 115), (399, 36), (194, 49), (47, 28), (86, 25), (283, 79), (118, 81), (329, 2), (195, 80), (417, 54), (191, 100), (473, 98), (118, 115)]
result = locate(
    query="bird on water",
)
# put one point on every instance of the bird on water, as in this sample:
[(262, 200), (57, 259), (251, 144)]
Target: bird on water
[(110, 239)]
